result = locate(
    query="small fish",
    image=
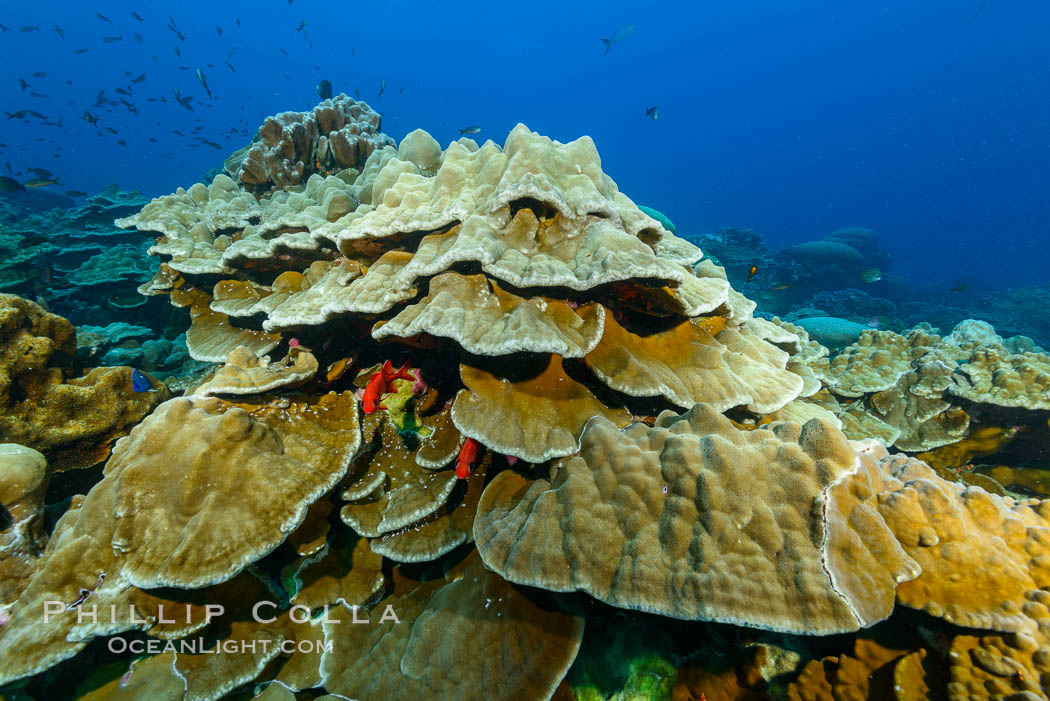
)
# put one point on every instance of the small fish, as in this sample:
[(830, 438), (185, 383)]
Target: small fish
[(40, 74), (4, 29), (177, 52), (105, 19), (138, 38), (23, 84), (959, 288), (122, 91), (112, 40), (80, 51), (401, 91), (29, 28), (232, 52), (619, 35), (184, 101), (58, 30), (204, 82), (76, 193), (652, 113), (301, 27), (324, 89), (41, 182), (174, 29), (140, 381), (10, 184), (468, 454), (357, 94), (751, 273), (871, 275), (89, 118), (218, 30), (230, 66), (137, 17), (141, 77), (111, 130), (40, 172), (20, 114), (122, 142), (473, 129), (780, 286), (382, 89), (37, 94)]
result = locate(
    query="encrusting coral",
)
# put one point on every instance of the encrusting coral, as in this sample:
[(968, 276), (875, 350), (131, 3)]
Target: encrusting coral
[(73, 420), (477, 356)]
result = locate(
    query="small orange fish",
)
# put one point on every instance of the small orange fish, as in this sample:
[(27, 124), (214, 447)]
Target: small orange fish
[(468, 453), (751, 272), (780, 286)]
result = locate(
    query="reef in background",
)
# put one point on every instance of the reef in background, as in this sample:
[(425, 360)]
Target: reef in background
[(846, 275)]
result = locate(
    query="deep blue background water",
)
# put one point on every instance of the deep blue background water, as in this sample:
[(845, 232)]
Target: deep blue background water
[(790, 118)]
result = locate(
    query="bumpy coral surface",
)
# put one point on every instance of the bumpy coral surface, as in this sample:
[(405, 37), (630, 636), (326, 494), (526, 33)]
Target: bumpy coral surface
[(289, 147), (71, 419), (696, 519)]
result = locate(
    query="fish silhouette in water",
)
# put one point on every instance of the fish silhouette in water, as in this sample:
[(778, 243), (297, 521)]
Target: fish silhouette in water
[(619, 35), (324, 89), (980, 9)]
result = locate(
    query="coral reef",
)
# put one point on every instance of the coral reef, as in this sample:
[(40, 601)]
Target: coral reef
[(74, 260), (478, 397)]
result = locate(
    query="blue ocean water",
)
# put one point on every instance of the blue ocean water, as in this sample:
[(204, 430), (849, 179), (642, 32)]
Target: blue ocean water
[(928, 122)]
